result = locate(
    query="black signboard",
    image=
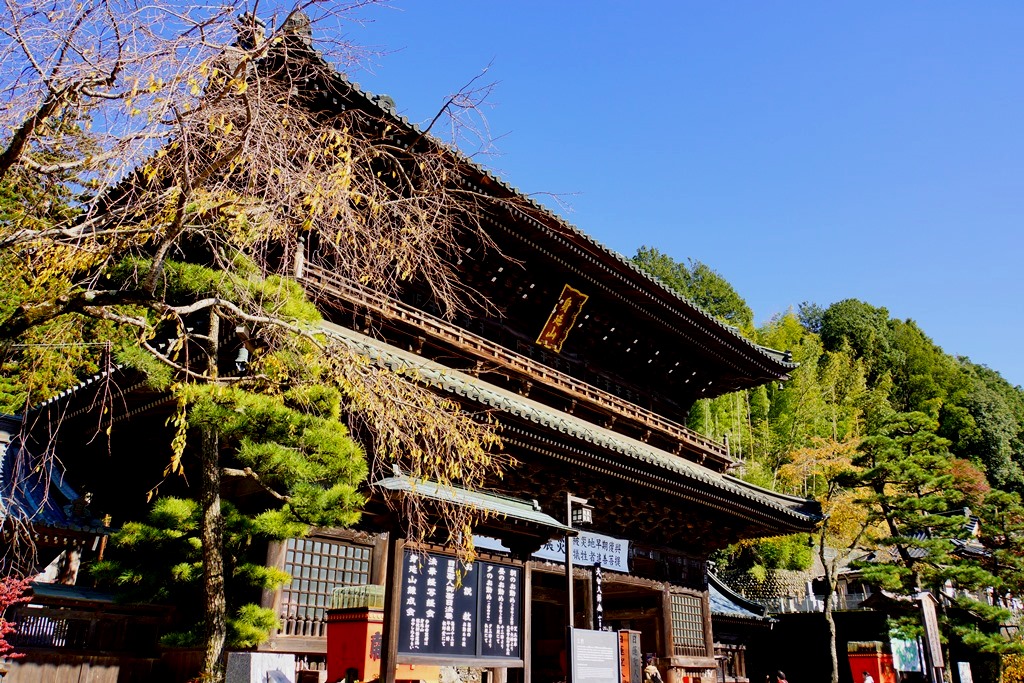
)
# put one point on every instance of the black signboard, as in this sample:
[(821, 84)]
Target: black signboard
[(499, 610), (453, 610)]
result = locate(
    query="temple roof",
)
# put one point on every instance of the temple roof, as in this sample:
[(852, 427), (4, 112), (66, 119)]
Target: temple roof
[(725, 602), (537, 222), (500, 506), (707, 486), (33, 488)]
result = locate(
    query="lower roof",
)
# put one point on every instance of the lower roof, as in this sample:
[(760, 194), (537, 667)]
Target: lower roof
[(503, 507), (33, 488), (725, 602), (790, 513)]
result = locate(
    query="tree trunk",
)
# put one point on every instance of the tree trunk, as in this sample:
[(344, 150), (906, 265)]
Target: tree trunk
[(214, 599), (830, 591)]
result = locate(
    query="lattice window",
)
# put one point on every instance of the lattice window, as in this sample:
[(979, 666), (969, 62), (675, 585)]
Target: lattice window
[(688, 626), (318, 567)]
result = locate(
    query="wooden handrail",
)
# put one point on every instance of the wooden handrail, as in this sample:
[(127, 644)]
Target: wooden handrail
[(328, 283)]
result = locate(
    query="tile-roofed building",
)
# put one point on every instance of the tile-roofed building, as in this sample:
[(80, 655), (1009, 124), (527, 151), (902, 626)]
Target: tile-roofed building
[(589, 368)]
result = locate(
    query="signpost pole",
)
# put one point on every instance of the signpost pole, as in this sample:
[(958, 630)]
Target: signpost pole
[(392, 607), (570, 610)]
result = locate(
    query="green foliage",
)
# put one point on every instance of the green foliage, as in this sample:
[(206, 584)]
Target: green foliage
[(251, 626), (54, 355), (864, 328), (810, 315), (160, 561), (182, 282), (1001, 517), (30, 201), (759, 558), (936, 434), (700, 284), (158, 375), (786, 552), (308, 458), (984, 418), (916, 494)]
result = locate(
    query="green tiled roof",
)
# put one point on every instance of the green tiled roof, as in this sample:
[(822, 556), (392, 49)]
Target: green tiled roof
[(502, 506), (798, 511)]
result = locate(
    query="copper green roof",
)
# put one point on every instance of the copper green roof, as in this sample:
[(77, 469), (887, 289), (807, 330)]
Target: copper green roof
[(716, 488), (504, 507)]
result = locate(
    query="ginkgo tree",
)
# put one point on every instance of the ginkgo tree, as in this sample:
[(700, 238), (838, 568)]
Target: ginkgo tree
[(162, 166), (828, 468)]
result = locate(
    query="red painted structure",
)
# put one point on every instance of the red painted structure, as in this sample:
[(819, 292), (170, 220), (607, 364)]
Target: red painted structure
[(868, 656), (354, 642)]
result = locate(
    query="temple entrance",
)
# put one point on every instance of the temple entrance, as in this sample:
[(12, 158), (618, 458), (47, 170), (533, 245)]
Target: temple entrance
[(547, 625), (629, 603), (636, 605)]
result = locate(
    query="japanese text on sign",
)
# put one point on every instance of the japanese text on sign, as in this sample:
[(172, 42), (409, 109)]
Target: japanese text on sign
[(451, 609), (589, 549)]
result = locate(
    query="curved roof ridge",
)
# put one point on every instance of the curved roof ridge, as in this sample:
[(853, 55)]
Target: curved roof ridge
[(386, 108), (457, 382), (75, 388)]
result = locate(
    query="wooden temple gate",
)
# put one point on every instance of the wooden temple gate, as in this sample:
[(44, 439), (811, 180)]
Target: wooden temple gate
[(590, 368)]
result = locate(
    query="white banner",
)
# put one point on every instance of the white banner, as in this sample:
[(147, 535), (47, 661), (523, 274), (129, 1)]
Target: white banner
[(587, 550)]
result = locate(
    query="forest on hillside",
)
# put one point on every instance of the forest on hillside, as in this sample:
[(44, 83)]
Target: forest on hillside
[(858, 366), (909, 449)]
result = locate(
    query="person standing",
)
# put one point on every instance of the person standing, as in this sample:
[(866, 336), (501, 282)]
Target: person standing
[(868, 678)]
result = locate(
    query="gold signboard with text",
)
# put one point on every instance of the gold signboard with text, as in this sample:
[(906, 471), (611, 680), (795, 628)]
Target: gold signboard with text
[(562, 318)]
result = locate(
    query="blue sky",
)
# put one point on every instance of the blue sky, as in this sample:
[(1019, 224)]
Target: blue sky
[(807, 151)]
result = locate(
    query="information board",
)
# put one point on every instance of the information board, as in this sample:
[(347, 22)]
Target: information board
[(454, 610), (595, 656)]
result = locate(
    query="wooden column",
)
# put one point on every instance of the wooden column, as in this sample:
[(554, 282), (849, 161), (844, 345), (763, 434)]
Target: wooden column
[(666, 622), (709, 637), (588, 600), (276, 551), (379, 560), (527, 618), (392, 607), (672, 674)]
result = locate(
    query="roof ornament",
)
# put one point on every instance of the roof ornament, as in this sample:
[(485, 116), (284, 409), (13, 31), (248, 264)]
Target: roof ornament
[(252, 31), (299, 25), (386, 102), (78, 509)]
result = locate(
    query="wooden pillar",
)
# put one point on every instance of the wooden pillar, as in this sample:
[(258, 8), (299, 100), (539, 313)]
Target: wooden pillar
[(672, 674), (392, 607), (709, 637), (276, 553), (379, 560), (666, 622), (588, 599), (527, 621)]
